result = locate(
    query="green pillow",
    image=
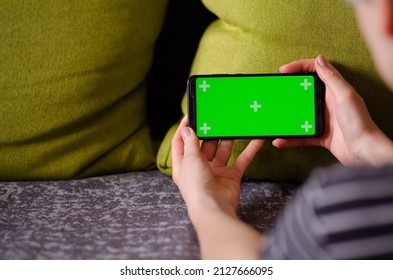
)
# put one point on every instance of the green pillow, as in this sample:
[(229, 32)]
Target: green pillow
[(72, 87), (258, 36)]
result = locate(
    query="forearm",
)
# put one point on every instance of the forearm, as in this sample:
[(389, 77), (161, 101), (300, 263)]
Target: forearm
[(223, 235)]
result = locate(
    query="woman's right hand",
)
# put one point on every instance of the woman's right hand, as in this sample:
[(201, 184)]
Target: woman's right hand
[(350, 133)]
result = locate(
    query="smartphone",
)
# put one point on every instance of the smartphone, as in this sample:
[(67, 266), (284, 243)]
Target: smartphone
[(256, 105)]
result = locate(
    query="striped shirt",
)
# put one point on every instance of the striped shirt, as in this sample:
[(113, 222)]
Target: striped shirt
[(340, 213)]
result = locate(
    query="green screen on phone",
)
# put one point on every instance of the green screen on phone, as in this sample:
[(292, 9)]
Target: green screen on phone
[(241, 106)]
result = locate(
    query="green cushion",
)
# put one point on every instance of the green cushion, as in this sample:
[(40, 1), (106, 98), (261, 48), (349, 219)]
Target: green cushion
[(72, 87), (258, 36)]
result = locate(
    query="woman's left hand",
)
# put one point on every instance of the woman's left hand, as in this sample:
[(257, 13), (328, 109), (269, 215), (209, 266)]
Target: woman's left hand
[(202, 172)]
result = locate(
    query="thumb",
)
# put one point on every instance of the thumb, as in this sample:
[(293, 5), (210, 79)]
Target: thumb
[(191, 141), (333, 80)]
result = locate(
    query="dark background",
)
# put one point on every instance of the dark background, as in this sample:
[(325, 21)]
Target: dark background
[(185, 22)]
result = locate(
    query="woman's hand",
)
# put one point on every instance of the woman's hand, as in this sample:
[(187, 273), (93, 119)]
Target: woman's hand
[(211, 190), (201, 172), (350, 133)]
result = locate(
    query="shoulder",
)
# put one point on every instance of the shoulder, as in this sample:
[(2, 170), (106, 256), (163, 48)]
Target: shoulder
[(339, 213)]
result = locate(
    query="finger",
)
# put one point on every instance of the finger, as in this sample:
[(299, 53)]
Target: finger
[(209, 148), (177, 144), (338, 86), (224, 151), (293, 143), (191, 142), (303, 65), (248, 154)]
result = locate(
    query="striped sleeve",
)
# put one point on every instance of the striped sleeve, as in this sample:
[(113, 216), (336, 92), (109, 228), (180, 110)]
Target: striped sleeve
[(340, 213)]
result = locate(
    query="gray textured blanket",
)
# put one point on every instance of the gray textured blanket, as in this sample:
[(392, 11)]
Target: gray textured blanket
[(138, 215)]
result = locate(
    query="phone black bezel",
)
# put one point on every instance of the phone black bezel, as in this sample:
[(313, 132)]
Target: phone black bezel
[(319, 105)]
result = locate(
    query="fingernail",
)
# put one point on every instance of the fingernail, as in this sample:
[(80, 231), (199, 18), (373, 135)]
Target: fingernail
[(185, 132), (274, 143), (322, 61)]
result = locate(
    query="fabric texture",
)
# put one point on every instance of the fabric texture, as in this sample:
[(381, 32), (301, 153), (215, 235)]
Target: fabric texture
[(72, 87), (340, 213), (137, 215), (258, 36)]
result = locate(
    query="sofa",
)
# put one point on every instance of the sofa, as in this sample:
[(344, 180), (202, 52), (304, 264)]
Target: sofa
[(137, 215), (93, 92)]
